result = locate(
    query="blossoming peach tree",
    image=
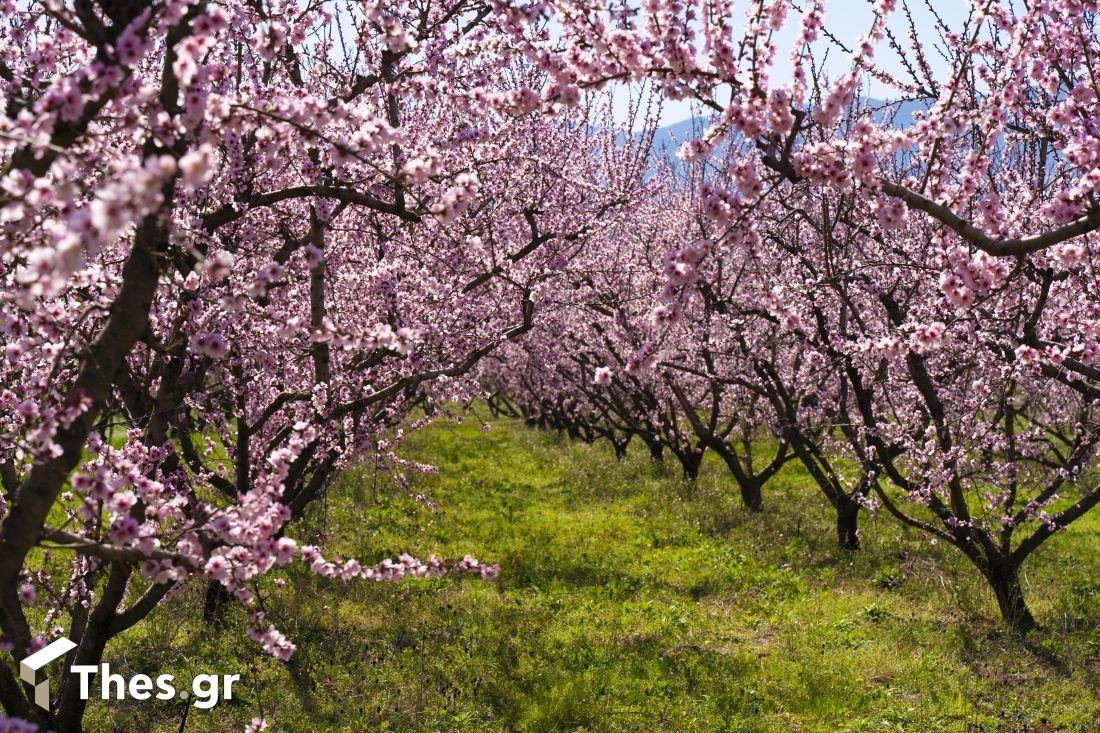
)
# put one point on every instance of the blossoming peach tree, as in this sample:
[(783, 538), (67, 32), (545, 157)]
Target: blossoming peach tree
[(909, 284), (241, 242)]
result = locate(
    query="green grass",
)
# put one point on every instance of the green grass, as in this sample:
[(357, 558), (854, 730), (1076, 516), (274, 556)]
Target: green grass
[(630, 601)]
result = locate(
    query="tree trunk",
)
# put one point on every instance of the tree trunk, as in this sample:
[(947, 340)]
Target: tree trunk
[(214, 604), (1005, 581), (70, 706), (656, 452), (752, 497), (691, 463), (847, 524)]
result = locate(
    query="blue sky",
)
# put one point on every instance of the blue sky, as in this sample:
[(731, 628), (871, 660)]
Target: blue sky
[(847, 20)]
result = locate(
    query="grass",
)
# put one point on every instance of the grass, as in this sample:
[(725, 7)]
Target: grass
[(630, 601)]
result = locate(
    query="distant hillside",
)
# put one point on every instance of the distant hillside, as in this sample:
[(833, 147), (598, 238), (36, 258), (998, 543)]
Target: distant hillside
[(669, 137)]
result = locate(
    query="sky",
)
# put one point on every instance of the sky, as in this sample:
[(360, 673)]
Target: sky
[(846, 20)]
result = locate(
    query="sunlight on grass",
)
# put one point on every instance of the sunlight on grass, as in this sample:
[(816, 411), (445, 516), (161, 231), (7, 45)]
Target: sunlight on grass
[(629, 601)]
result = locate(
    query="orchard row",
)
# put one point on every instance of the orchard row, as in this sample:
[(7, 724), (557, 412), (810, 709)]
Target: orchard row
[(245, 243)]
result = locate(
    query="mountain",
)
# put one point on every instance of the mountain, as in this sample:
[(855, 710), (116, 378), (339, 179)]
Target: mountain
[(669, 137)]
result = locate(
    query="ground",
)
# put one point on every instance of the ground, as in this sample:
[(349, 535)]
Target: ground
[(631, 601)]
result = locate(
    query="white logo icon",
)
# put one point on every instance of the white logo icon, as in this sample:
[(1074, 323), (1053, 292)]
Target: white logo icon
[(208, 689), (28, 669)]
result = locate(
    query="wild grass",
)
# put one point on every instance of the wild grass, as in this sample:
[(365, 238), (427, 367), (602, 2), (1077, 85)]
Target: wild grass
[(631, 601)]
